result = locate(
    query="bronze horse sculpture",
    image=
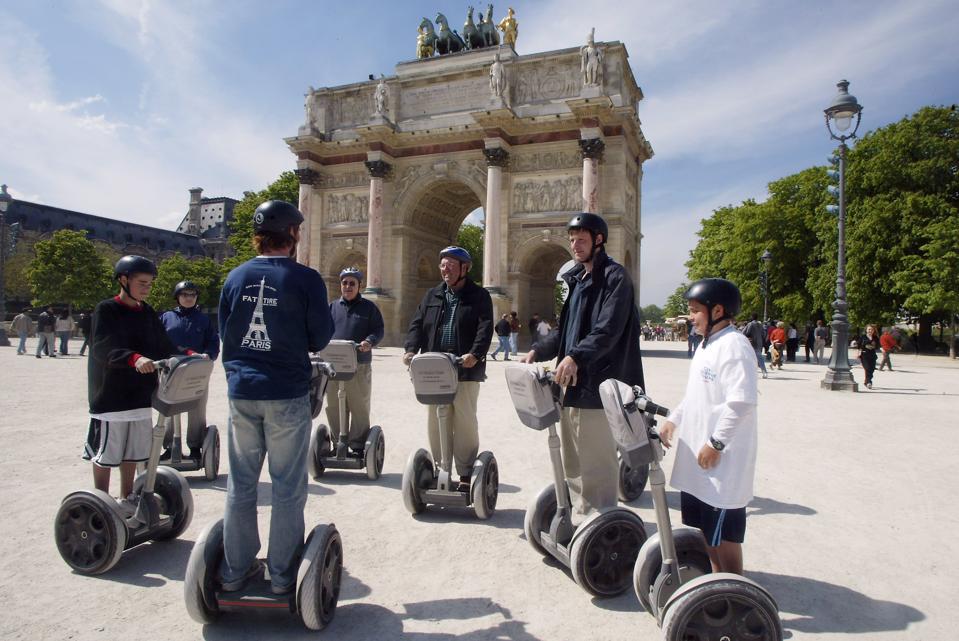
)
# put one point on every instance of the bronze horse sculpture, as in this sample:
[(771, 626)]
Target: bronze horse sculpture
[(471, 34), (447, 40), (488, 29)]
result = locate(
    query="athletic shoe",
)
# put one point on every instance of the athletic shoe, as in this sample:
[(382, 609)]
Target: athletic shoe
[(128, 506), (493, 356), (464, 485), (275, 589), (255, 570)]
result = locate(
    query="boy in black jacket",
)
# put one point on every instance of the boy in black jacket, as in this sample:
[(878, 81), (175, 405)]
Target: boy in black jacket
[(125, 337)]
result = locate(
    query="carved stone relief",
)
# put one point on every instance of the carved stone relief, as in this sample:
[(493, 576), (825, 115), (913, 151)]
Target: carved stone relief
[(347, 208), (546, 160), (352, 179), (559, 194), (535, 83), (456, 95), (351, 108), (475, 169)]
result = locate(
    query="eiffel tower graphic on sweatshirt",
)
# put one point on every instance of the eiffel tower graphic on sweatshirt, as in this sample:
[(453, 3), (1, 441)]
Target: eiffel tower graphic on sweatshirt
[(256, 336)]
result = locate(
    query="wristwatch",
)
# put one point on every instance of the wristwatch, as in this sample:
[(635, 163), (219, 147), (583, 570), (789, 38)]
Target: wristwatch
[(716, 445)]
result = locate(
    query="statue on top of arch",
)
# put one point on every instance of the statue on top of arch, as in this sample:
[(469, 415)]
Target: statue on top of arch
[(429, 42)]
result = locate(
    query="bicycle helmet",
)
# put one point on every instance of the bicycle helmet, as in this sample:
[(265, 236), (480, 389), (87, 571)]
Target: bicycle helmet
[(594, 224), (353, 272), (276, 216), (185, 285), (715, 291)]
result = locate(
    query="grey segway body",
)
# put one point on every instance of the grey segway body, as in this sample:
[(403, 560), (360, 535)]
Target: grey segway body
[(92, 529), (341, 357), (206, 457), (435, 377), (600, 551), (672, 576)]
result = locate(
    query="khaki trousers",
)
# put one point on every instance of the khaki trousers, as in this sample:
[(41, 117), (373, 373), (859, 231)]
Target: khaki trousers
[(589, 459), (357, 406), (465, 428)]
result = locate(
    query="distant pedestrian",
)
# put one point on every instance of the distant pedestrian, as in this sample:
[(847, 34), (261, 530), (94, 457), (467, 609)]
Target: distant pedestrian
[(543, 328), (756, 334), (778, 339), (514, 327), (809, 338), (64, 328), (22, 325), (792, 342), (502, 330), (46, 325), (869, 347), (533, 328), (692, 340), (84, 325), (888, 343), (820, 334)]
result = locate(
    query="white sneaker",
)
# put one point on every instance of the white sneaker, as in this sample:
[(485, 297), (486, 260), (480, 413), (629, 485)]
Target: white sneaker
[(128, 506)]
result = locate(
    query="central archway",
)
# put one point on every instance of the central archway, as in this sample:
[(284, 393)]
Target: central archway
[(534, 271)]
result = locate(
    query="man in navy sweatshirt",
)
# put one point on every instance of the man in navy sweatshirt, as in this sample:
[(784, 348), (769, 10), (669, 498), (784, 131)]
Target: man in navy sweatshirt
[(273, 313), (359, 320)]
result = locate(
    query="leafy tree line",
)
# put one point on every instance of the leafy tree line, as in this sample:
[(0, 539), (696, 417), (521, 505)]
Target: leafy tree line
[(902, 232)]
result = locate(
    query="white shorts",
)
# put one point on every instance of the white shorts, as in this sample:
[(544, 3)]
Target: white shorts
[(110, 443)]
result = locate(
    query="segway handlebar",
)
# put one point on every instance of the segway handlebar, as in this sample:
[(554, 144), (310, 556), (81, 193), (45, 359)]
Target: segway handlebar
[(166, 364), (644, 404)]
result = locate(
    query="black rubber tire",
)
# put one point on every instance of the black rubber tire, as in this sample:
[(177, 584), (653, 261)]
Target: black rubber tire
[(319, 577), (604, 552), (375, 453), (723, 606), (485, 487), (89, 531), (632, 481), (539, 515), (176, 499), (319, 447), (418, 475), (691, 553), (211, 453), (200, 582)]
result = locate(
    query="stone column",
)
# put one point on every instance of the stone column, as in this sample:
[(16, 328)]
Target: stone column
[(592, 150), (374, 251), (496, 159), (304, 249)]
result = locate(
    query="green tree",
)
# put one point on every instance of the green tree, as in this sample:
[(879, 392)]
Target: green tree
[(653, 314), (204, 272), (67, 269), (676, 305), (286, 187), (471, 237)]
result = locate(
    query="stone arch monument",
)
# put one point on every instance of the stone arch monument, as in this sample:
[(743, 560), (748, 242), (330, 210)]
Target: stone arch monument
[(390, 168)]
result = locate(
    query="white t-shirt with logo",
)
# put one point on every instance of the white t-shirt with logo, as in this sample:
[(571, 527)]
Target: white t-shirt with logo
[(720, 402)]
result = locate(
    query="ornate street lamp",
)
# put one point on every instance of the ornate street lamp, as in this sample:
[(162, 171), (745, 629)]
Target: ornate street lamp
[(765, 259), (5, 199), (840, 113)]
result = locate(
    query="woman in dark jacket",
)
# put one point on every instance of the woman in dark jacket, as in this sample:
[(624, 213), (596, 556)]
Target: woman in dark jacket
[(868, 349)]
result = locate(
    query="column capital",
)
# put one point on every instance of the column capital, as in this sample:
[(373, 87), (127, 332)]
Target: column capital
[(496, 157), (378, 168), (592, 148), (307, 176)]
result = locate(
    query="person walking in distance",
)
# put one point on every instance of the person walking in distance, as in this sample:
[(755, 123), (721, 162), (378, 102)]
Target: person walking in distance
[(869, 347), (756, 334), (46, 325), (64, 327), (820, 334), (22, 326), (502, 330), (84, 324), (514, 327), (888, 344), (598, 338), (273, 312)]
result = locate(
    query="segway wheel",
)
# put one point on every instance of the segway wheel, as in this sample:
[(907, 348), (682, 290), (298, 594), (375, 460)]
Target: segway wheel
[(375, 453), (539, 515), (485, 486), (604, 552), (690, 553), (632, 481), (177, 500), (318, 579), (722, 606), (319, 448), (417, 476), (211, 453), (199, 585), (90, 532)]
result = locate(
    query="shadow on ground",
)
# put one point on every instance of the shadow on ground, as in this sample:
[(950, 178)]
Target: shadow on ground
[(152, 564)]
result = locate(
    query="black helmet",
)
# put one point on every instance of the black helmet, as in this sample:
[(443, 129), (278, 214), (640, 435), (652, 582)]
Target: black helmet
[(590, 222), (134, 265), (716, 291), (276, 216), (187, 285)]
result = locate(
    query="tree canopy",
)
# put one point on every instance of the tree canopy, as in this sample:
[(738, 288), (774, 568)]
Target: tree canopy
[(68, 269), (286, 187), (471, 238), (653, 314), (203, 272)]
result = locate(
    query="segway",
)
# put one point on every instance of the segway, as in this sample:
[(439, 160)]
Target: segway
[(601, 551), (341, 355), (317, 589), (207, 459), (672, 576), (91, 528), (435, 379)]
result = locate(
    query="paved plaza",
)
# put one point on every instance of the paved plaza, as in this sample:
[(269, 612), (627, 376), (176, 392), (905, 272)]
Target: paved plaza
[(853, 528)]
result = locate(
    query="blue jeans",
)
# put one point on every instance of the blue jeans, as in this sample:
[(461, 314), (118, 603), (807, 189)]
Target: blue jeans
[(282, 428), (22, 347), (503, 346), (760, 359)]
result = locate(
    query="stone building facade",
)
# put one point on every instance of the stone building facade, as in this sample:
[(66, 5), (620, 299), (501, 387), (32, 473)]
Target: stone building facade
[(386, 181)]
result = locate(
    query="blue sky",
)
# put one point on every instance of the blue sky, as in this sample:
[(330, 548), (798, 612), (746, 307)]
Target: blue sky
[(118, 107)]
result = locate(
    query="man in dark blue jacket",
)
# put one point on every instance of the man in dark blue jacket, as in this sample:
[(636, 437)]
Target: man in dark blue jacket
[(456, 316), (273, 313), (598, 339), (359, 320), (190, 329)]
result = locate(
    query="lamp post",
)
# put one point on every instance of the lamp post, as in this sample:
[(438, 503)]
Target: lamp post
[(764, 279), (5, 199), (840, 113)]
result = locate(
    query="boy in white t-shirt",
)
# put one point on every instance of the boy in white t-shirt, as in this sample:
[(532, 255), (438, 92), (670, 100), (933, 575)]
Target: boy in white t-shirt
[(715, 426)]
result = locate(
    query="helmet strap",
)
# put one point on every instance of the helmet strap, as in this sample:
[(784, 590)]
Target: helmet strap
[(126, 289)]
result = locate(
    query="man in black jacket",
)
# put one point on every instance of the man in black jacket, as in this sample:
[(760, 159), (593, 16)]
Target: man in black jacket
[(598, 339), (456, 317)]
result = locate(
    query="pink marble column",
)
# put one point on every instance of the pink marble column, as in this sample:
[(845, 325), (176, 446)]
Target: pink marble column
[(496, 159), (592, 151), (307, 178), (374, 250)]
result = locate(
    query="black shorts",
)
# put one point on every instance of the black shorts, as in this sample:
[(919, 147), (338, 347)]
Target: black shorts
[(717, 524)]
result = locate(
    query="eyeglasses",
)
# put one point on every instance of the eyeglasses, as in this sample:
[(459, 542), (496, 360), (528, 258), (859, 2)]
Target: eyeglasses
[(347, 284), (188, 294)]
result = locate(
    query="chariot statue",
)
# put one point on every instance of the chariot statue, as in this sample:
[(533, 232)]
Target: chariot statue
[(510, 28)]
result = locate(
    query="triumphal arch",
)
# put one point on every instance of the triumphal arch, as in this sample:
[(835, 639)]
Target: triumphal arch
[(389, 168)]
